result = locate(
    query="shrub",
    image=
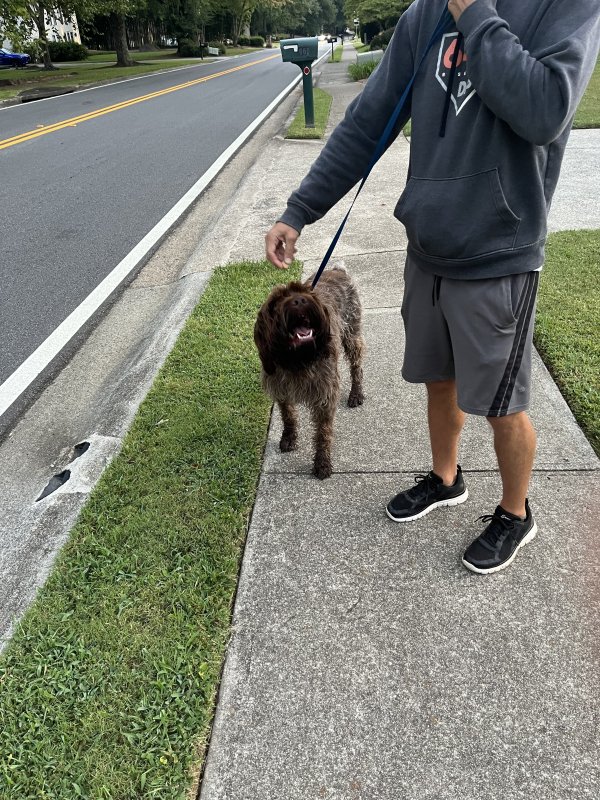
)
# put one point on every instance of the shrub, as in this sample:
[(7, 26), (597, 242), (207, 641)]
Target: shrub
[(244, 41), (358, 72), (220, 46), (34, 50), (67, 51), (381, 41), (189, 49), (257, 41)]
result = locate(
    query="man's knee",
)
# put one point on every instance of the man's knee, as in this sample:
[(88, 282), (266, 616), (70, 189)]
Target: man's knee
[(441, 388), (520, 419)]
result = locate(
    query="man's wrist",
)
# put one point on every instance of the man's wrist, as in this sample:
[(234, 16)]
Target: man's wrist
[(477, 13), (458, 7), (293, 217)]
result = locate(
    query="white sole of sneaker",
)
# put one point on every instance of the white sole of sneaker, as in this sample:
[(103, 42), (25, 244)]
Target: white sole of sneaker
[(508, 562), (452, 501)]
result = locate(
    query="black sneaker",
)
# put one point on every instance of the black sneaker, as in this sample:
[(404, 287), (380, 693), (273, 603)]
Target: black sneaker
[(429, 493), (500, 542)]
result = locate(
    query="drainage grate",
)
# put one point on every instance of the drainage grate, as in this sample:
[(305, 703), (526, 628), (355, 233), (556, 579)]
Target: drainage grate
[(55, 483)]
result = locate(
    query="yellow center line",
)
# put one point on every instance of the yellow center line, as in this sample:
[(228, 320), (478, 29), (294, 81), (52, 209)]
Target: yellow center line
[(74, 121)]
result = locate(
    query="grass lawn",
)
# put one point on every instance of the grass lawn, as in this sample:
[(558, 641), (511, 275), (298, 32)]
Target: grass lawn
[(170, 53), (108, 685), (80, 73), (137, 55), (588, 113), (568, 321), (98, 68), (337, 54), (359, 46), (322, 102)]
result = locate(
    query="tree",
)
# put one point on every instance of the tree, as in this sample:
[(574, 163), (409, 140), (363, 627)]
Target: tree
[(386, 12), (241, 12), (15, 23), (187, 19), (19, 18), (116, 11)]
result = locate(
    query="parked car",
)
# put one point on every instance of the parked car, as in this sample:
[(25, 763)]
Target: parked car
[(8, 59)]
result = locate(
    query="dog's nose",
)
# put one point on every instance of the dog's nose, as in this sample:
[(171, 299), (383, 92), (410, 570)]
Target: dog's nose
[(299, 301)]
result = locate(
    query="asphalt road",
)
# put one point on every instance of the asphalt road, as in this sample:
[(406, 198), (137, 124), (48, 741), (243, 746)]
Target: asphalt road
[(76, 200)]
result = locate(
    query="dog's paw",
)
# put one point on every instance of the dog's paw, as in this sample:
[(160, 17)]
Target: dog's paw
[(322, 468), (356, 398), (287, 443)]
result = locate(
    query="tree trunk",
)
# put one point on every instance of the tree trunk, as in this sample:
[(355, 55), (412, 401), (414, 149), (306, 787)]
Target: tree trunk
[(120, 35), (40, 19)]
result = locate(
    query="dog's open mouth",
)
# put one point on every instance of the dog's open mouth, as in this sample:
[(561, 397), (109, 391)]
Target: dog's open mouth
[(302, 335)]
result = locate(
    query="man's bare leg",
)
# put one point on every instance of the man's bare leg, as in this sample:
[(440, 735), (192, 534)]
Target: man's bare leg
[(514, 442), (446, 422)]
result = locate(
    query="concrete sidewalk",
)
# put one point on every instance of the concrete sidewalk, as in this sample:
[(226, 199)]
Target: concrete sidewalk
[(366, 663)]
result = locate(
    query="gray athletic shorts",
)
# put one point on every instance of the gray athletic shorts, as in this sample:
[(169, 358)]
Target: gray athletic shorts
[(477, 332)]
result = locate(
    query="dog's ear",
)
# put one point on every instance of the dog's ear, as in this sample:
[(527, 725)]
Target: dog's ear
[(263, 337)]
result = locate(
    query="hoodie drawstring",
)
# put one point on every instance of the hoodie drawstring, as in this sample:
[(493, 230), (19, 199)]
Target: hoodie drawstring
[(435, 289), (459, 41)]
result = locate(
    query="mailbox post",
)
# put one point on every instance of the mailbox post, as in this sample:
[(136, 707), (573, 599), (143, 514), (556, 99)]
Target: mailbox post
[(303, 52)]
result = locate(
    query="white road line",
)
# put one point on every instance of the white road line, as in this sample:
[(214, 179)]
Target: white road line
[(20, 380)]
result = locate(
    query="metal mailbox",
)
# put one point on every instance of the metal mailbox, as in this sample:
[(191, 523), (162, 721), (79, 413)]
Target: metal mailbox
[(299, 50), (303, 52)]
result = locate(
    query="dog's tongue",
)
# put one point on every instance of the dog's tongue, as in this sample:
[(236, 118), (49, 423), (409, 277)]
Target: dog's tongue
[(303, 332)]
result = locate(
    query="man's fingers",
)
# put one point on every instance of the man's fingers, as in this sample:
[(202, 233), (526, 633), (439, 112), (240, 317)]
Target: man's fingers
[(280, 243), (274, 249), (290, 248)]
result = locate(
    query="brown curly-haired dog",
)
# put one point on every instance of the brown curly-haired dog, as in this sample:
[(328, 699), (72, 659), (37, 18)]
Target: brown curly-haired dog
[(300, 333)]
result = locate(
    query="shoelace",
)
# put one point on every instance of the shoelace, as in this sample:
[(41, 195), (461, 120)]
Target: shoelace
[(424, 479), (504, 527)]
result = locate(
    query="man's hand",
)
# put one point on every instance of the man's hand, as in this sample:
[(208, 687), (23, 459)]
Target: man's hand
[(280, 244), (456, 7)]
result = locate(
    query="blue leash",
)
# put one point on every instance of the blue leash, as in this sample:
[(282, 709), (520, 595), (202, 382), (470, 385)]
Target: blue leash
[(443, 23)]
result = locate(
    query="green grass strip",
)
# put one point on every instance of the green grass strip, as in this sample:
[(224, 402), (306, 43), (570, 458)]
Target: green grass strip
[(588, 111), (80, 74), (322, 102), (337, 54), (108, 686), (567, 323)]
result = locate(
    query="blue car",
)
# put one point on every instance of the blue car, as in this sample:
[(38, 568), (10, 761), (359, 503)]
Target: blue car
[(13, 59)]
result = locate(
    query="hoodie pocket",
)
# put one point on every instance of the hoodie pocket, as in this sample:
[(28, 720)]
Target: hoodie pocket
[(457, 218)]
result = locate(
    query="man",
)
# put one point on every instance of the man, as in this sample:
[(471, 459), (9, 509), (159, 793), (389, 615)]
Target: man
[(491, 110)]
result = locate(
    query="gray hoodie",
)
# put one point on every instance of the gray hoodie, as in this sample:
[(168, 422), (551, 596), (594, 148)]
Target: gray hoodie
[(478, 193)]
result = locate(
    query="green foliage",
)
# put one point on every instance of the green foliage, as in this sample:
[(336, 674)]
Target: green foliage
[(257, 41), (243, 41), (220, 47), (381, 41), (189, 49), (322, 105), (34, 50), (16, 23), (383, 11), (568, 320), (67, 51), (359, 72), (588, 113)]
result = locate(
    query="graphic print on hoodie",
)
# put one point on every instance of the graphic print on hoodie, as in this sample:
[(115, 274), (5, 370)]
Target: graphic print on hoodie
[(462, 88)]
